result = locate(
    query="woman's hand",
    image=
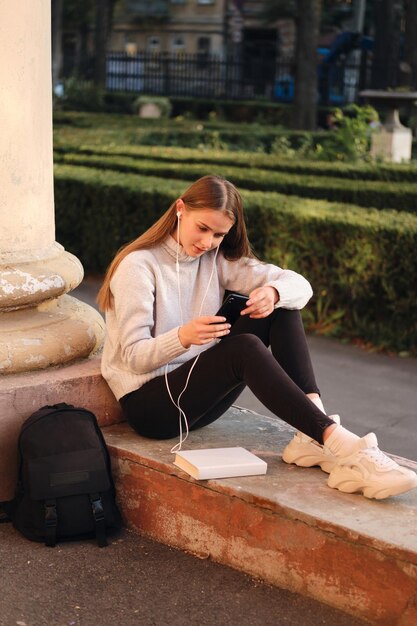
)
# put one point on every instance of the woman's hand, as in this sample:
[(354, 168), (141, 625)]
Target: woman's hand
[(203, 330), (261, 302)]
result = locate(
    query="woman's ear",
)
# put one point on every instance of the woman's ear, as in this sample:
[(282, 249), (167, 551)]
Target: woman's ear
[(180, 206)]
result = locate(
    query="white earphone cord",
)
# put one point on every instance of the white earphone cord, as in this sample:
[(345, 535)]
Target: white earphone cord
[(181, 413)]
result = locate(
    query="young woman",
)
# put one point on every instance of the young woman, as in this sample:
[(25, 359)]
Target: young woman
[(165, 363)]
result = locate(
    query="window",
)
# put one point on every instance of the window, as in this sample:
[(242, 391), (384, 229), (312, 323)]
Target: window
[(153, 44), (178, 44)]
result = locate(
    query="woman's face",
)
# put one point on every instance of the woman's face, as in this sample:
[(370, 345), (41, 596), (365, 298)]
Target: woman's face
[(201, 231)]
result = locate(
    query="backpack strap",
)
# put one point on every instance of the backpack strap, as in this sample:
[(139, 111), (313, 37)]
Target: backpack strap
[(51, 522), (98, 514)]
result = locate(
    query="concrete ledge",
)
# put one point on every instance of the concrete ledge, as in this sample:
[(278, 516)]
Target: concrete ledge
[(80, 384), (287, 527)]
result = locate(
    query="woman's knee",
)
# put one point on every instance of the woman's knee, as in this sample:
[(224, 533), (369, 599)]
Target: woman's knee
[(246, 342)]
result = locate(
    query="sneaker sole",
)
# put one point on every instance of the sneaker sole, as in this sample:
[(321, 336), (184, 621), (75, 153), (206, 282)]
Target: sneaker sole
[(369, 490), (305, 459)]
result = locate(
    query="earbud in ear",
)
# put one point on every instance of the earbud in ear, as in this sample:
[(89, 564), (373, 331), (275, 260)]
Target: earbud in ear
[(179, 214)]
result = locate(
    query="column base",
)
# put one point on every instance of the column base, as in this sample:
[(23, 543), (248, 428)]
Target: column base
[(42, 275), (54, 333), (393, 145)]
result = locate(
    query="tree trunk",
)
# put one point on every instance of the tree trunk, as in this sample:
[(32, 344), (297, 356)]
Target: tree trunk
[(85, 65), (410, 53), (104, 18), (306, 93), (57, 6), (385, 69)]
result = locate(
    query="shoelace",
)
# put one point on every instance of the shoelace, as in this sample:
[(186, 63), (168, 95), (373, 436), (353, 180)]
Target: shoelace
[(379, 458)]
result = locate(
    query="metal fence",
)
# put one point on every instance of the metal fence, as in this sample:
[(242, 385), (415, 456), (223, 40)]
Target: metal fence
[(207, 75), (194, 75)]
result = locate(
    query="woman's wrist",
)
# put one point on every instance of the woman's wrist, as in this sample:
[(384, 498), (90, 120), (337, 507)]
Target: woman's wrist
[(275, 293), (183, 341)]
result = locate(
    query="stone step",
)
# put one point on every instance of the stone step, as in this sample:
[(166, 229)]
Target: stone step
[(287, 527)]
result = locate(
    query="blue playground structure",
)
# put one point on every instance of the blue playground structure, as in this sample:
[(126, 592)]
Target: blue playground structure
[(335, 76)]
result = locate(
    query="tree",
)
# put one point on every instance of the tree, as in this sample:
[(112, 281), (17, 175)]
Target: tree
[(410, 48), (104, 20), (78, 18), (387, 22), (57, 6), (306, 94), (307, 16)]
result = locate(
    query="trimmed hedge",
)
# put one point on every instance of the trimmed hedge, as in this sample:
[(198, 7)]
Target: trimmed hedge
[(98, 129), (377, 194), (83, 96), (260, 111), (170, 154), (361, 262)]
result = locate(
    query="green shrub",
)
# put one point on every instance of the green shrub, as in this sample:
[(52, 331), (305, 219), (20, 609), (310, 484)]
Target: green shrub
[(87, 139), (118, 102), (360, 262), (259, 111), (402, 197), (102, 129), (277, 162), (82, 95), (351, 138)]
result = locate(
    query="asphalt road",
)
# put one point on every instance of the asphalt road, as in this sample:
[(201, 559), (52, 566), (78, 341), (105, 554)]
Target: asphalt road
[(137, 582)]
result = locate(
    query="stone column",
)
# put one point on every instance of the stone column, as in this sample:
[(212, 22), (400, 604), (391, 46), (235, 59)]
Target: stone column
[(40, 325)]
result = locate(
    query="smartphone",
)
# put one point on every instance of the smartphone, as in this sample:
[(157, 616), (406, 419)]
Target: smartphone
[(232, 306)]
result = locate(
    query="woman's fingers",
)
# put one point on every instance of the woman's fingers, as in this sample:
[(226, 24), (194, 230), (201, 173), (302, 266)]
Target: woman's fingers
[(261, 302), (259, 309), (203, 330), (212, 331)]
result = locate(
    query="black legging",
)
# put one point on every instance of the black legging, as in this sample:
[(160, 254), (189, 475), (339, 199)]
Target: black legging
[(279, 378)]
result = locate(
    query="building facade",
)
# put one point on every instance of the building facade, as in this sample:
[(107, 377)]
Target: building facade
[(216, 27)]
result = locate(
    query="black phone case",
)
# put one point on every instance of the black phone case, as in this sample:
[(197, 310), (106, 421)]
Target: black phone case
[(232, 306)]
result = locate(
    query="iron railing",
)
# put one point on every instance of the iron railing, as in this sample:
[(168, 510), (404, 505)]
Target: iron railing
[(205, 75)]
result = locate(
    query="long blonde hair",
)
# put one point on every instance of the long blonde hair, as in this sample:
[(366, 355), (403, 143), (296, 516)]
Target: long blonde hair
[(208, 192)]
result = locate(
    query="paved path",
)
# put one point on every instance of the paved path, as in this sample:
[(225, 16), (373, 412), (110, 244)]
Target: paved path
[(137, 582)]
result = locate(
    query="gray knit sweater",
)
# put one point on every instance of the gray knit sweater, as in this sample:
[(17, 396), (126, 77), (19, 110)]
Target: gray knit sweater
[(142, 327)]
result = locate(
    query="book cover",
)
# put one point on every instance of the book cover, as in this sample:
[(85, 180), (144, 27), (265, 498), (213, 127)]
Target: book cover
[(219, 463)]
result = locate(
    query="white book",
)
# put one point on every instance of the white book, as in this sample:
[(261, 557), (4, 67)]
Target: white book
[(219, 463)]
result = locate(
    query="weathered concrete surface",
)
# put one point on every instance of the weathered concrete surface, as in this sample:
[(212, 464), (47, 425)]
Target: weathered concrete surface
[(287, 527), (139, 582), (80, 384)]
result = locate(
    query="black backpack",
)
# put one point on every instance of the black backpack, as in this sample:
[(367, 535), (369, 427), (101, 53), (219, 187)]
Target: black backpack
[(65, 489)]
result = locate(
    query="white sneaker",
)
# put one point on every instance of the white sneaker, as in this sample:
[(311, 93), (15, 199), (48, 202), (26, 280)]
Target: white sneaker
[(371, 472), (306, 452)]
